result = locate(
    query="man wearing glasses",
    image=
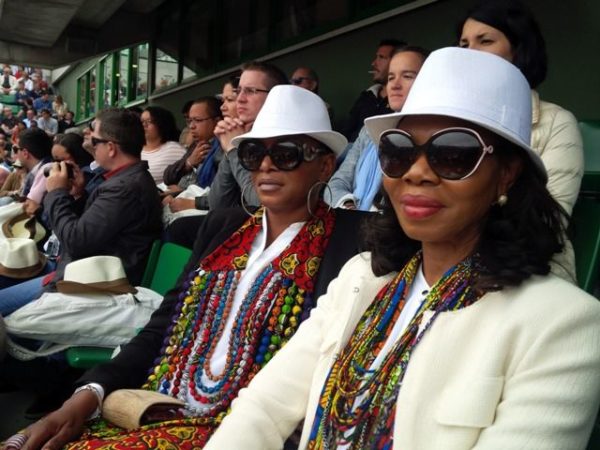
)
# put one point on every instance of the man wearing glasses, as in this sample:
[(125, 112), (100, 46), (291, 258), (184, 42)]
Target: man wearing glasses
[(232, 180), (121, 217)]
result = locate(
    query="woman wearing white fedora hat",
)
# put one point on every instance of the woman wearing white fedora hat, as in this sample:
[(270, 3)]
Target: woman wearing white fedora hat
[(451, 333), (248, 285)]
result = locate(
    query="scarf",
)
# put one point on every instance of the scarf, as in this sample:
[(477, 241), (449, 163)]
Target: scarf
[(358, 403), (367, 177), (279, 299), (208, 170)]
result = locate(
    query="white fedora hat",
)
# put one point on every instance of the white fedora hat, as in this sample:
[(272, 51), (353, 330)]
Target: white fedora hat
[(292, 110), (471, 85), (20, 258), (23, 226), (96, 274)]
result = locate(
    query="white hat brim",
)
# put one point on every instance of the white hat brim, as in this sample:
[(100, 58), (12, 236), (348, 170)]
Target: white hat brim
[(377, 125), (332, 139)]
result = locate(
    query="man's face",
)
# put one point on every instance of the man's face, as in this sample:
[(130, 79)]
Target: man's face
[(302, 78), (30, 114), (101, 149), (6, 71), (46, 115), (249, 104), (7, 112), (200, 123), (381, 63)]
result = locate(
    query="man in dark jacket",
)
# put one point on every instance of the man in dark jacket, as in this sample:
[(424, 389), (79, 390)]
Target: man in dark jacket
[(121, 217), (372, 101)]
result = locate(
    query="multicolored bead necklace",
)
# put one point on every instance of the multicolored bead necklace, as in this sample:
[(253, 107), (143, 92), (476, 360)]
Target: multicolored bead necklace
[(357, 405), (276, 303)]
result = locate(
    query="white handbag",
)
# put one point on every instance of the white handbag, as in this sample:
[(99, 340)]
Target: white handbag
[(66, 320)]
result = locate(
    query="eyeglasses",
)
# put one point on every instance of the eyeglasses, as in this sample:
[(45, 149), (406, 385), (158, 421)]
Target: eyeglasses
[(299, 80), (249, 91), (286, 154), (196, 120), (96, 141), (146, 122), (453, 153)]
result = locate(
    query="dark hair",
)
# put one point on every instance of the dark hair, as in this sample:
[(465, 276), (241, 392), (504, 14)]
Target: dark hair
[(73, 143), (275, 75), (312, 74), (234, 79), (213, 105), (396, 43), (515, 20), (414, 49), (37, 142), (517, 240), (186, 107), (124, 128), (136, 109), (164, 121)]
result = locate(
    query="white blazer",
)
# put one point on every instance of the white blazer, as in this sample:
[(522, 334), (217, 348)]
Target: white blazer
[(519, 369)]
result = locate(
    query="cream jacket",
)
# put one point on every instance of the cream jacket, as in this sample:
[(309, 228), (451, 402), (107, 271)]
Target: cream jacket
[(519, 369), (556, 138)]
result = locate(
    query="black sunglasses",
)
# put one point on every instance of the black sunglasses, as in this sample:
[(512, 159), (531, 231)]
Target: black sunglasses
[(453, 153), (299, 80), (96, 141), (286, 154)]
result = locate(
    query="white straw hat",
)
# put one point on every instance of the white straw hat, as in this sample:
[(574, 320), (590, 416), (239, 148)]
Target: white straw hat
[(96, 274), (471, 85), (20, 258), (292, 110)]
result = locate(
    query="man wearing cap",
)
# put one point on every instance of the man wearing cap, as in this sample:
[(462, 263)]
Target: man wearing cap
[(121, 217)]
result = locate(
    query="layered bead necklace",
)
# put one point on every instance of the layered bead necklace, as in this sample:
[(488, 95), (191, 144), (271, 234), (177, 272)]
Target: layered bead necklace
[(278, 300), (357, 405)]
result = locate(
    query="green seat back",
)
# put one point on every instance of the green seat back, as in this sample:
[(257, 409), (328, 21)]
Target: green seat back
[(585, 223), (590, 133), (151, 264), (164, 266), (8, 99), (169, 266)]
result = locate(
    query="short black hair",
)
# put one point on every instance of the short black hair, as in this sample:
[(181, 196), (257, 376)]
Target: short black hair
[(213, 105), (124, 128), (391, 42), (186, 107), (516, 21), (36, 142), (275, 75), (164, 120)]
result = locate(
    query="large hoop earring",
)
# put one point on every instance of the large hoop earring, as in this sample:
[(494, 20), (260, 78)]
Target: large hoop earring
[(243, 203), (310, 194)]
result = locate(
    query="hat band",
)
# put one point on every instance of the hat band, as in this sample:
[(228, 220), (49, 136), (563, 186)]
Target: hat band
[(21, 272)]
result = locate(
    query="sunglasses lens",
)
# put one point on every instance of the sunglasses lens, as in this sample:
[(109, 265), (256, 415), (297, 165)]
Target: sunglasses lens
[(286, 155), (251, 154), (396, 154), (453, 155)]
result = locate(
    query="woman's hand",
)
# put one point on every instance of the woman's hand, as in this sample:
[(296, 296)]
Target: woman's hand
[(63, 425), (30, 207)]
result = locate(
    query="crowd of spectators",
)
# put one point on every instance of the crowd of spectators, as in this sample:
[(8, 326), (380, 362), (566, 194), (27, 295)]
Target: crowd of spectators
[(263, 147)]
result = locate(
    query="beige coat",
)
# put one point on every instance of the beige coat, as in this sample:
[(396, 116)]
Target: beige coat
[(519, 369), (555, 136)]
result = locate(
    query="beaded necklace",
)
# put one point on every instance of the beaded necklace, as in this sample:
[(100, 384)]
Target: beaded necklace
[(278, 300), (357, 404)]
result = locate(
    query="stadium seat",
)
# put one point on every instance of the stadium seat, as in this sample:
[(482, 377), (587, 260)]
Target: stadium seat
[(164, 266), (585, 226), (10, 99), (590, 132)]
